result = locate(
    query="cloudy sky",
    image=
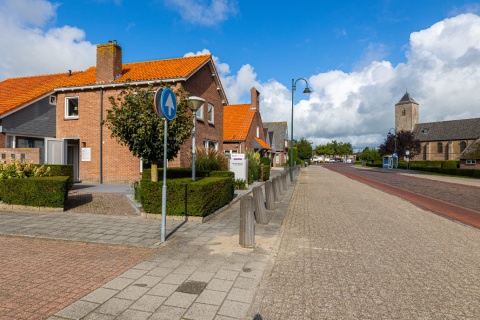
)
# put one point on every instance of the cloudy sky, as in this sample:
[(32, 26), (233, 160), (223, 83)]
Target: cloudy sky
[(358, 57)]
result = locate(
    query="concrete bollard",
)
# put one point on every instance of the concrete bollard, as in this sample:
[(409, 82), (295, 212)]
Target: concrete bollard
[(259, 205), (247, 225), (276, 189), (269, 197), (286, 178)]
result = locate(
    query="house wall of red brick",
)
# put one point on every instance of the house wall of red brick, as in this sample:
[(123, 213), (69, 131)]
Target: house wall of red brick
[(26, 155), (464, 165), (202, 84), (119, 165), (3, 140)]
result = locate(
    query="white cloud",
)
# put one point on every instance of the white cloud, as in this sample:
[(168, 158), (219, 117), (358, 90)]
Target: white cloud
[(204, 12), (27, 48), (442, 74)]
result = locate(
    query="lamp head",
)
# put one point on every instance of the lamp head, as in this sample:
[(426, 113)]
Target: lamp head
[(194, 103), (307, 91)]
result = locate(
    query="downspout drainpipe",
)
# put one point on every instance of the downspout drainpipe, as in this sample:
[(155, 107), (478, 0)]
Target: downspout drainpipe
[(101, 136)]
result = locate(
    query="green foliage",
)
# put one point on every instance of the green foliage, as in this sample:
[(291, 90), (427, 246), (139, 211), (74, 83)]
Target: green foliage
[(240, 184), (335, 148), (35, 191), (186, 197), (18, 169), (304, 148), (403, 140), (61, 170), (134, 123), (264, 172), (210, 159), (222, 174), (370, 155), (265, 160), (174, 173), (253, 166)]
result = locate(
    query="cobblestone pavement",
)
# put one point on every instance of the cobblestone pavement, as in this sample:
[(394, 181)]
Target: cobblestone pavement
[(99, 203), (349, 251), (39, 277)]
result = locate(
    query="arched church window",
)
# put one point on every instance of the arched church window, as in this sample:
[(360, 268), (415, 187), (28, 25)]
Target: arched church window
[(463, 145), (403, 113), (440, 147)]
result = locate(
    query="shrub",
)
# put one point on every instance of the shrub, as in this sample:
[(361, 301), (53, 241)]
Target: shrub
[(265, 160), (253, 166), (240, 184), (186, 197), (264, 172), (174, 173), (35, 191), (18, 169), (210, 160)]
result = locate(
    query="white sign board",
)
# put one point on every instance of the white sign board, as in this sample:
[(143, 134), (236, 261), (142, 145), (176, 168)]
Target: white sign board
[(86, 154), (239, 166)]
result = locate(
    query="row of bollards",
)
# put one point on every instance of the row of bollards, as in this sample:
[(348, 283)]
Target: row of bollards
[(254, 209)]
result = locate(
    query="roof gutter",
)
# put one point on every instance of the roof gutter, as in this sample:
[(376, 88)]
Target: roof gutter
[(116, 85)]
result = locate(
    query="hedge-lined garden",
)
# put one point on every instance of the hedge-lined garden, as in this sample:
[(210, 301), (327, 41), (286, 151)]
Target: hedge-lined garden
[(29, 184), (211, 191)]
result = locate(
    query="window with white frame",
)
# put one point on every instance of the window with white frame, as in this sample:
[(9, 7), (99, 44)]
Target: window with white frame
[(258, 132), (211, 144), (210, 113), (471, 162), (199, 113), (71, 107)]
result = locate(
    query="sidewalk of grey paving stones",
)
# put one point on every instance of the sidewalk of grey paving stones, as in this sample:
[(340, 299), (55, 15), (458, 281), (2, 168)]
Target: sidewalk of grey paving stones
[(200, 272)]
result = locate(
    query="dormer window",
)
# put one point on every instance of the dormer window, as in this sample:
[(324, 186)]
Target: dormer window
[(425, 131)]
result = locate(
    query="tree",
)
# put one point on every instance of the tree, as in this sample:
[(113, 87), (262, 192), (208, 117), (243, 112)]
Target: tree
[(325, 149), (344, 149), (370, 154), (335, 148), (405, 140), (134, 123), (304, 149)]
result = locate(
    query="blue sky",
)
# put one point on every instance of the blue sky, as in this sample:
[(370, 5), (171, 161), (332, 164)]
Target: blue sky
[(359, 57)]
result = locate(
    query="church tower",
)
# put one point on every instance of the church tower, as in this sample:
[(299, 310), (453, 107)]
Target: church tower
[(406, 113)]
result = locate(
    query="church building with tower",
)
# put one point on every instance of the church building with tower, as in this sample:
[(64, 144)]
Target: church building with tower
[(443, 140)]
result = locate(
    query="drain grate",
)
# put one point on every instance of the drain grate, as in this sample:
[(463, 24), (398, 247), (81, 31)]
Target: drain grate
[(193, 287)]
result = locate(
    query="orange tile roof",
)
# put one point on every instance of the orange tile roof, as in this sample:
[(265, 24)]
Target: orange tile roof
[(16, 92), (147, 70), (262, 143), (237, 120)]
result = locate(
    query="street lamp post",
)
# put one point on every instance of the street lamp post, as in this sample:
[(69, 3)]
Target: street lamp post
[(395, 146), (194, 103), (307, 92)]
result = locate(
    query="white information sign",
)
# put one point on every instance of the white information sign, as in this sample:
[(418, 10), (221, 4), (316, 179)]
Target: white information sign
[(239, 166), (86, 154)]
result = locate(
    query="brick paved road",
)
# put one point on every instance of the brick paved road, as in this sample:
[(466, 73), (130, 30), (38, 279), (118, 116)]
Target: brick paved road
[(459, 194), (40, 277), (349, 251)]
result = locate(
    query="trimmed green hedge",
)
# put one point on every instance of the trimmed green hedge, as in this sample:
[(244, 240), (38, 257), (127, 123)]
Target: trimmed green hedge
[(174, 173), (37, 192), (453, 172), (186, 197), (61, 170), (222, 174)]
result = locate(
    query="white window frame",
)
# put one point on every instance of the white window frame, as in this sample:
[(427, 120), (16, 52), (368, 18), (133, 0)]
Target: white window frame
[(207, 142), (199, 113), (210, 116), (471, 162), (67, 115), (258, 131)]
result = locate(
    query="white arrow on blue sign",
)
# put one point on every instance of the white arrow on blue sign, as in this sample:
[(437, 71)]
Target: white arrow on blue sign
[(168, 104), (165, 103)]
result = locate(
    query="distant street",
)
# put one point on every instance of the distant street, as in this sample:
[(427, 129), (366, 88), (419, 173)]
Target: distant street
[(456, 198), (350, 251)]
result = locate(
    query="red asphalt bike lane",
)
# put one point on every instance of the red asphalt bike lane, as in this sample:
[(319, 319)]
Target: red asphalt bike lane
[(470, 217)]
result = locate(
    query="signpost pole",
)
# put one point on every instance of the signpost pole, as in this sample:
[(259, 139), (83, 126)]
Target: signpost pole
[(164, 188)]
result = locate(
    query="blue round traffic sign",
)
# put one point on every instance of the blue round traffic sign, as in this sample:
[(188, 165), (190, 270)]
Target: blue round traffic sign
[(168, 103)]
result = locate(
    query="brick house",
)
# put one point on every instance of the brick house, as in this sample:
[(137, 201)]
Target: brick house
[(443, 140), (243, 128), (27, 115), (279, 152), (470, 157), (82, 101)]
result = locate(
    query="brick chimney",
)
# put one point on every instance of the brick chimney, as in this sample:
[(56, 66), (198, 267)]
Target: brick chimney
[(109, 62), (254, 99)]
